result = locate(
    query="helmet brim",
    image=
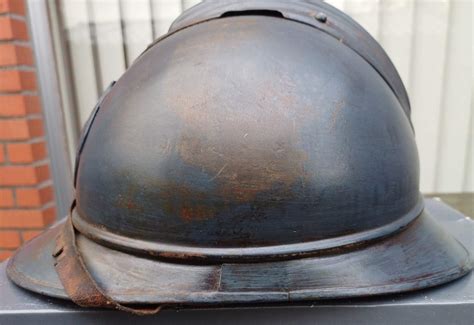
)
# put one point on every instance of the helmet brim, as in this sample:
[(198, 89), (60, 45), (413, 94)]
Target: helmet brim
[(420, 256)]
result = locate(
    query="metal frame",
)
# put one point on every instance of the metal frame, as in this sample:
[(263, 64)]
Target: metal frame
[(50, 92)]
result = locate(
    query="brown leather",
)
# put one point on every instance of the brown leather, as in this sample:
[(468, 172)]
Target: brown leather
[(77, 280)]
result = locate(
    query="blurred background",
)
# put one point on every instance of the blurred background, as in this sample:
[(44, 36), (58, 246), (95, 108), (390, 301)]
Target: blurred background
[(429, 41)]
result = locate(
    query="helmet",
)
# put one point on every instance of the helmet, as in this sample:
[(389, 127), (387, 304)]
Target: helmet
[(261, 151)]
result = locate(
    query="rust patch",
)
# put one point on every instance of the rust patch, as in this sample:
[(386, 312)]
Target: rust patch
[(129, 204), (187, 203), (199, 212), (127, 199), (179, 256)]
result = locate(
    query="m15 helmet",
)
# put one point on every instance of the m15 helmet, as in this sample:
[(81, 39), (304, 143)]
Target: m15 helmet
[(261, 151)]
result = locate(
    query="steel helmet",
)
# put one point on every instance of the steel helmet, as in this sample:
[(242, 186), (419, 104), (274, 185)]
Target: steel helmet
[(261, 151)]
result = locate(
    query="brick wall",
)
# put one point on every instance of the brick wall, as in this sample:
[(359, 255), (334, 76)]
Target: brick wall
[(26, 192)]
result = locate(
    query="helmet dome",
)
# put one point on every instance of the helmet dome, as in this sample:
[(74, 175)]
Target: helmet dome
[(250, 130)]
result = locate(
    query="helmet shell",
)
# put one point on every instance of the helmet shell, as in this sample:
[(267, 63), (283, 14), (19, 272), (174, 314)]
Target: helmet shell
[(247, 131), (259, 152)]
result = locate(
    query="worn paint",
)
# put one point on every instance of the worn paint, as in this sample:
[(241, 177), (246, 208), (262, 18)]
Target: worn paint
[(261, 152), (393, 264), (230, 165)]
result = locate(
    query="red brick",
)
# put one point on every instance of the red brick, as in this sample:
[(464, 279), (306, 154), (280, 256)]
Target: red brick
[(5, 254), (27, 218), (9, 239), (23, 175), (35, 128), (20, 129), (19, 105), (14, 129), (28, 235), (26, 152), (12, 29), (12, 6), (2, 153), (11, 54), (6, 198), (17, 80), (34, 197), (42, 173)]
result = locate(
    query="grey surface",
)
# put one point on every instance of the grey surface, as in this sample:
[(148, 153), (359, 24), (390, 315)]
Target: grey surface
[(463, 202), (448, 304)]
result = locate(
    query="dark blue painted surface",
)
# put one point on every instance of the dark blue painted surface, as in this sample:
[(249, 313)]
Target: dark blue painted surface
[(248, 131)]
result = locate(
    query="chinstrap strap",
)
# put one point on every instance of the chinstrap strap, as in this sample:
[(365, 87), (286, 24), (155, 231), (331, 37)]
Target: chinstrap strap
[(77, 280)]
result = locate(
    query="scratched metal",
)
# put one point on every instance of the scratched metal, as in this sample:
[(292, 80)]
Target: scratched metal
[(215, 138), (250, 158), (337, 24)]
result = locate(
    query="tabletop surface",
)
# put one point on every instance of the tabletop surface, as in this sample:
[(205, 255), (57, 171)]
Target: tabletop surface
[(463, 202), (452, 303)]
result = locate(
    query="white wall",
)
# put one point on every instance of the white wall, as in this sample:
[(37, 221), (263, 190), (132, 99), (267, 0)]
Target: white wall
[(429, 41)]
